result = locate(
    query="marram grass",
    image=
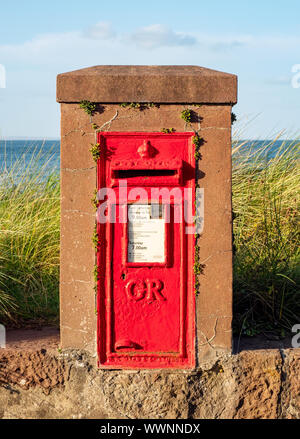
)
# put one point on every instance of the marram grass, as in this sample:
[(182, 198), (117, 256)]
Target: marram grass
[(266, 237), (265, 228), (29, 240)]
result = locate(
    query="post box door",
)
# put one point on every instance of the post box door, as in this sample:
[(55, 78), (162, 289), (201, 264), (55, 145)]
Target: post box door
[(146, 297)]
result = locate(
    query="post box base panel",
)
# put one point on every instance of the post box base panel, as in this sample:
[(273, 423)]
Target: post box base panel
[(145, 258)]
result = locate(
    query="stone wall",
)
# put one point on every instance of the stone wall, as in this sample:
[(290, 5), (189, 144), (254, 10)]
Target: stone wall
[(78, 183), (68, 384), (210, 95)]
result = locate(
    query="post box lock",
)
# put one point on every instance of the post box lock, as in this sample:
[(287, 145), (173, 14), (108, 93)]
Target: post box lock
[(145, 293)]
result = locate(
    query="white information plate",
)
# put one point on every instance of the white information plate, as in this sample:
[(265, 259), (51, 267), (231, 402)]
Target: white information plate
[(146, 233)]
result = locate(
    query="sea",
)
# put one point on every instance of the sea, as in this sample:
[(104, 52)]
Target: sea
[(26, 154), (46, 153)]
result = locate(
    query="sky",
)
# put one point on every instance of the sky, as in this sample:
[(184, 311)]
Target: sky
[(257, 40)]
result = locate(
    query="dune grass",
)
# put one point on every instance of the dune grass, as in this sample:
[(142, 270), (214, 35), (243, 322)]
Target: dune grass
[(29, 240), (265, 228), (266, 237)]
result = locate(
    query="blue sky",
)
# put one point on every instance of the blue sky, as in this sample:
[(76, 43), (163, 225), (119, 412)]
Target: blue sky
[(257, 40)]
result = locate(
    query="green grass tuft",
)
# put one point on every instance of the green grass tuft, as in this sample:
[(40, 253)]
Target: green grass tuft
[(29, 240), (266, 238)]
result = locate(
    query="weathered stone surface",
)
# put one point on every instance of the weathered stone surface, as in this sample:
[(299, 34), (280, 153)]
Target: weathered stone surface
[(252, 384), (290, 394), (163, 84), (214, 303), (31, 369), (258, 375)]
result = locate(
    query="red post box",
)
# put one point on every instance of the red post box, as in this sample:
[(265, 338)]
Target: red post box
[(146, 299), (152, 312)]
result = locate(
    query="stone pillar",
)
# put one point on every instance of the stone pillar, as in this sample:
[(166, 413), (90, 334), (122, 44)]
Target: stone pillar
[(209, 95)]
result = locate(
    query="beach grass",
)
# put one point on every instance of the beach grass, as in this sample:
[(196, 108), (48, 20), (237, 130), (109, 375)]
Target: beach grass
[(29, 239), (265, 188), (265, 230)]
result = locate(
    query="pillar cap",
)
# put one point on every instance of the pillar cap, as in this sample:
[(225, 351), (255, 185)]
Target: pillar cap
[(157, 84)]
